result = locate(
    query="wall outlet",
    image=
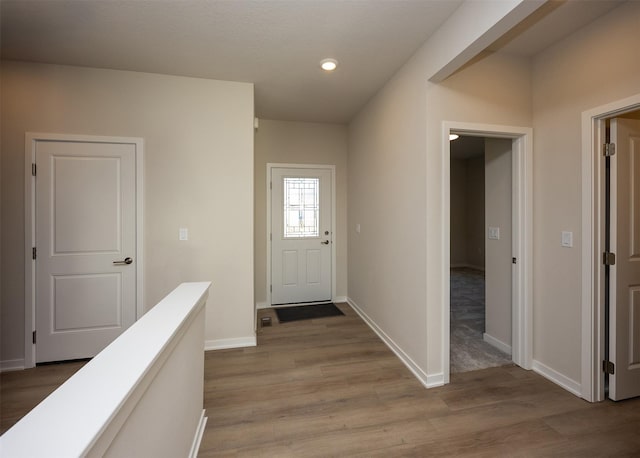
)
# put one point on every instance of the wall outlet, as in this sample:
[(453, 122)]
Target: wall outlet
[(358, 228)]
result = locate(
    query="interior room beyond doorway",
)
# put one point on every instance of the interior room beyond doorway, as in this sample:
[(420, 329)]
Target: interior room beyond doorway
[(480, 256)]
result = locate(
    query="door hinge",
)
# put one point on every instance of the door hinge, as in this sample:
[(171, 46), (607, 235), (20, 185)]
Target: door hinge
[(514, 261), (608, 149), (270, 237), (270, 288), (33, 170), (33, 253), (608, 367), (271, 185), (33, 337), (608, 258)]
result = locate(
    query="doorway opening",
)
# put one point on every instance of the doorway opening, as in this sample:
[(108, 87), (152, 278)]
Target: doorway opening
[(508, 147), (480, 253), (611, 251)]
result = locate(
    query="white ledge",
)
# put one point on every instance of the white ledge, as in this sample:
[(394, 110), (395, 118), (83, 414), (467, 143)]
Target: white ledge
[(74, 417)]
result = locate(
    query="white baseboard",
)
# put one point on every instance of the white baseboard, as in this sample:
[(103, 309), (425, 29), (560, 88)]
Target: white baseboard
[(339, 299), (236, 342), (556, 377), (428, 381), (197, 439), (11, 365), (499, 344), (262, 305)]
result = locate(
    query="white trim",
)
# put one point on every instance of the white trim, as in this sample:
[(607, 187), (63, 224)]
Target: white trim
[(339, 299), (262, 305), (11, 365), (499, 344), (428, 381), (556, 377), (31, 138), (592, 244), (522, 229), (197, 439), (234, 342), (332, 168)]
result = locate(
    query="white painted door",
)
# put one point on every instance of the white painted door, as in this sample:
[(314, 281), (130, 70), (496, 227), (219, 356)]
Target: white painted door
[(85, 229), (300, 235), (624, 347)]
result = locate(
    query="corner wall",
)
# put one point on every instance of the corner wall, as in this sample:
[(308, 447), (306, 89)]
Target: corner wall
[(598, 64), (395, 183), (198, 136), (299, 143)]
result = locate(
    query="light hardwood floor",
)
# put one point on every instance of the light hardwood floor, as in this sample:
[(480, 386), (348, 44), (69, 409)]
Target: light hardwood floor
[(330, 387)]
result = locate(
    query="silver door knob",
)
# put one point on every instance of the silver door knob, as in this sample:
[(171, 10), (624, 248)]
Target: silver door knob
[(326, 242), (122, 263)]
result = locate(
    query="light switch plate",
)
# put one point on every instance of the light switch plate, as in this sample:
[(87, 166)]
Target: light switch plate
[(494, 233), (358, 228), (183, 233), (567, 239)]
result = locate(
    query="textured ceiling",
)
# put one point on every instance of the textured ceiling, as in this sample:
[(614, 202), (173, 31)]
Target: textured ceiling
[(275, 44)]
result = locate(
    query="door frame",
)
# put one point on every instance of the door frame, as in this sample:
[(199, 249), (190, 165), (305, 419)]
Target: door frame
[(593, 220), (332, 168), (31, 138), (522, 233)]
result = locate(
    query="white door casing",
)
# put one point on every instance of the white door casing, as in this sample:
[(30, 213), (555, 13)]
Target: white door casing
[(522, 249), (85, 219), (624, 292), (301, 235), (593, 242)]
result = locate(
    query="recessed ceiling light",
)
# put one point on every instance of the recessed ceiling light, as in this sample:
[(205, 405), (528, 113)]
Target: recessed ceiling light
[(328, 65), (453, 136)]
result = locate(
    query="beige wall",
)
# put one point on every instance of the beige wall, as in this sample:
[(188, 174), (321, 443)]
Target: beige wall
[(395, 184), (596, 65), (458, 215), (299, 143), (467, 212), (497, 159), (475, 208), (198, 172)]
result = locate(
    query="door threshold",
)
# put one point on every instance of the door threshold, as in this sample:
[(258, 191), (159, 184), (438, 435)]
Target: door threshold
[(295, 304)]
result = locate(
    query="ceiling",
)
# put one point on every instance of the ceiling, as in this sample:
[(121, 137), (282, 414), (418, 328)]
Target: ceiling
[(275, 44)]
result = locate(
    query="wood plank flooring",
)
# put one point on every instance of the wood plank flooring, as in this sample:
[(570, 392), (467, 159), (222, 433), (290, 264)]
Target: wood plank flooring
[(330, 387)]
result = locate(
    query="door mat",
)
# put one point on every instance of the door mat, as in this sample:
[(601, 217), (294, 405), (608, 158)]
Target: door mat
[(307, 312)]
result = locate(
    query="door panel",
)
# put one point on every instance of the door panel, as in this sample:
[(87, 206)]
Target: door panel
[(85, 220), (300, 235), (624, 345)]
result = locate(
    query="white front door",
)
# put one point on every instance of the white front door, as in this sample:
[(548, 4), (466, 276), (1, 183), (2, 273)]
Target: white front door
[(624, 347), (301, 235), (85, 230)]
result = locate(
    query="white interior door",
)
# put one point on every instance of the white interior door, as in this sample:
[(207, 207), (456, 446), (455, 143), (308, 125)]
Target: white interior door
[(85, 229), (624, 343), (300, 235)]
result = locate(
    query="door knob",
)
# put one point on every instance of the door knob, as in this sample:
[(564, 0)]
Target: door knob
[(326, 242), (122, 263)]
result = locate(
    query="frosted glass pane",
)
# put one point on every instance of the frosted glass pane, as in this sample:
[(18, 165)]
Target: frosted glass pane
[(301, 207)]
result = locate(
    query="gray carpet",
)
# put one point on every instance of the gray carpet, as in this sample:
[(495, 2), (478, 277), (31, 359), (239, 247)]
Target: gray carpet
[(468, 351)]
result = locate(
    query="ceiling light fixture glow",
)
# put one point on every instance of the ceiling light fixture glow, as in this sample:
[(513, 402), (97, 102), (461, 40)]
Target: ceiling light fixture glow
[(453, 137), (328, 65)]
